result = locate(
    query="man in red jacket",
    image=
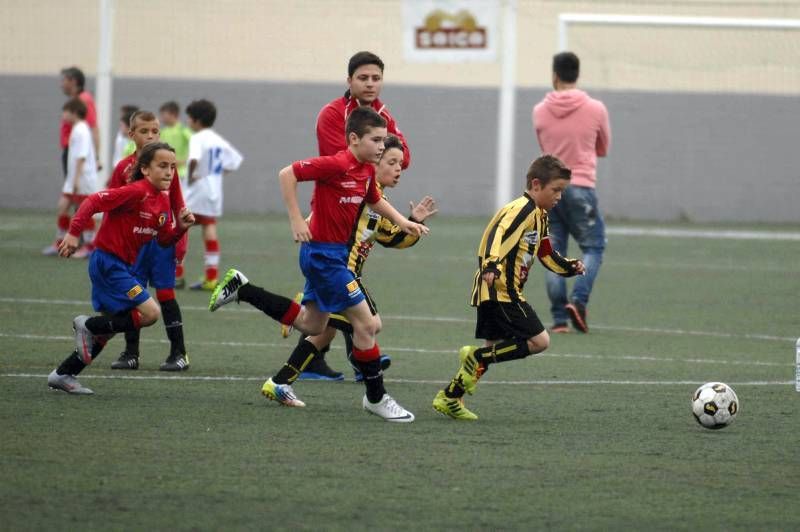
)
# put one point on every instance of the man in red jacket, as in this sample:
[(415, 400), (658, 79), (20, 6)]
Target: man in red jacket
[(364, 82)]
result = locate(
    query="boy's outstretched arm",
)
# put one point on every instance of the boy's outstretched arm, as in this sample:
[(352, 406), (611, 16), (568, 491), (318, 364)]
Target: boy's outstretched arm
[(384, 208), (288, 180)]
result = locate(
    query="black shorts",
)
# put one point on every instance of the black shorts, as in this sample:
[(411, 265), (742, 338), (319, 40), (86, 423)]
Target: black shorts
[(506, 321), (371, 302)]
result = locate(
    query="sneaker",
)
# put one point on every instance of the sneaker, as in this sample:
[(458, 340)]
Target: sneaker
[(67, 383), (281, 393), (577, 313), (206, 285), (50, 251), (175, 363), (388, 409), (559, 328), (126, 361), (452, 407), (286, 330), (83, 252), (180, 283), (318, 370), (83, 339), (386, 361), (227, 290)]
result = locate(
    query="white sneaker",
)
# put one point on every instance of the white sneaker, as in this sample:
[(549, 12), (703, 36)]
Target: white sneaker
[(50, 251), (84, 339), (227, 290), (388, 409), (68, 383)]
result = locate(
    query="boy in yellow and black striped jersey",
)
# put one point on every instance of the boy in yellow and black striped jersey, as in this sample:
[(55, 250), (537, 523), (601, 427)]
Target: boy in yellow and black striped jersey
[(370, 228), (511, 329)]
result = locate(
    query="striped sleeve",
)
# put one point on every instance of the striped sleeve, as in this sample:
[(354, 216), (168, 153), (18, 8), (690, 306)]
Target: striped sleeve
[(390, 235)]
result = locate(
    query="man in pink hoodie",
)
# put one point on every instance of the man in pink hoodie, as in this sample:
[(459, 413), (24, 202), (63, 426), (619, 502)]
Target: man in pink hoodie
[(575, 128)]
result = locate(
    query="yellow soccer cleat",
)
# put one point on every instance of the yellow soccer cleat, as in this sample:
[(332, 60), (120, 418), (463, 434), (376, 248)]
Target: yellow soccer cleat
[(286, 330), (206, 285), (470, 370), (281, 393), (451, 407)]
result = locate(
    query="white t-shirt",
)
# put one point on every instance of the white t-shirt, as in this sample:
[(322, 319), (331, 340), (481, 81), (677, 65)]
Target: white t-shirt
[(214, 156), (81, 147)]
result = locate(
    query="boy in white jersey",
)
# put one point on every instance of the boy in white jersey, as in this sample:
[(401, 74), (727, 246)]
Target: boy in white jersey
[(210, 158), (81, 179)]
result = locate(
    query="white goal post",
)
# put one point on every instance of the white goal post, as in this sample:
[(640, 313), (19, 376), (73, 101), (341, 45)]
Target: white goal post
[(566, 19)]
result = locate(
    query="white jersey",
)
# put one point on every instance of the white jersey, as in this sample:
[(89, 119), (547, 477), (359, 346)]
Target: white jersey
[(214, 156), (81, 147)]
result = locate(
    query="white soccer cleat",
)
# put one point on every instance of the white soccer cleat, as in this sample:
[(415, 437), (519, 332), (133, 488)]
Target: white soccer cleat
[(227, 290), (67, 383), (281, 393), (84, 339), (388, 409)]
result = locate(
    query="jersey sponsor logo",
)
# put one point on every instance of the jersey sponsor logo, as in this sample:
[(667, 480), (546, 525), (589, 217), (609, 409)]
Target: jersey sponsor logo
[(351, 199), (146, 215), (162, 219), (135, 291), (530, 238), (144, 231), (349, 184)]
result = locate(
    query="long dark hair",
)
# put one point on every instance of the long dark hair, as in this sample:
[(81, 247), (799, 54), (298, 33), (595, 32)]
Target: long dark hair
[(146, 157)]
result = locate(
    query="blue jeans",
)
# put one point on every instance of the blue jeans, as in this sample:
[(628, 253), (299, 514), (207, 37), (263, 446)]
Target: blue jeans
[(577, 214)]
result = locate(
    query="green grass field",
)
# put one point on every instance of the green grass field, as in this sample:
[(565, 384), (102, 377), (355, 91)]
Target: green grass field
[(594, 434)]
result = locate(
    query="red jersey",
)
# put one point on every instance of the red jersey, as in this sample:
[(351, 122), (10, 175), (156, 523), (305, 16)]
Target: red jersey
[(122, 176), (332, 119), (137, 213), (342, 183), (91, 118)]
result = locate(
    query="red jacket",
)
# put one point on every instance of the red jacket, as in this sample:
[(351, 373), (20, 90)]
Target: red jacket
[(333, 117), (137, 213)]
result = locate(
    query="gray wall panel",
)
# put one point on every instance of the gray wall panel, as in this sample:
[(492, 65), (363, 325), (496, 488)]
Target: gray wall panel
[(675, 156)]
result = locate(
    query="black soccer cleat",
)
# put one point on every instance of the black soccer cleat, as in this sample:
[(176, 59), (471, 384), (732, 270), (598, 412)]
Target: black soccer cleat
[(126, 361), (175, 362)]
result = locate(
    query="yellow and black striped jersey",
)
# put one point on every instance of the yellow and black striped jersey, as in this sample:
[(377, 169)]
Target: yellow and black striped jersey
[(371, 227), (517, 233)]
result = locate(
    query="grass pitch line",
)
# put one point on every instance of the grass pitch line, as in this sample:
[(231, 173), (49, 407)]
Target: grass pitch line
[(447, 319), (715, 234), (233, 378), (390, 349)]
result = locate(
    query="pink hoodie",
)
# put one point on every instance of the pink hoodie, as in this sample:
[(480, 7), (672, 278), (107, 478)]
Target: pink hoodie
[(573, 127)]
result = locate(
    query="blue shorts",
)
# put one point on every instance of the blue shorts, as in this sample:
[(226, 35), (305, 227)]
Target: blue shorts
[(155, 265), (328, 281), (114, 286)]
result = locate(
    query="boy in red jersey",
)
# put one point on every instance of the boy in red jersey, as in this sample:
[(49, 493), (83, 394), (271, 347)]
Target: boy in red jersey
[(136, 214), (364, 84), (342, 183), (155, 265)]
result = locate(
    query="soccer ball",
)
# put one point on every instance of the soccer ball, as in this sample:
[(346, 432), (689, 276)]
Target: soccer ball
[(715, 405)]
